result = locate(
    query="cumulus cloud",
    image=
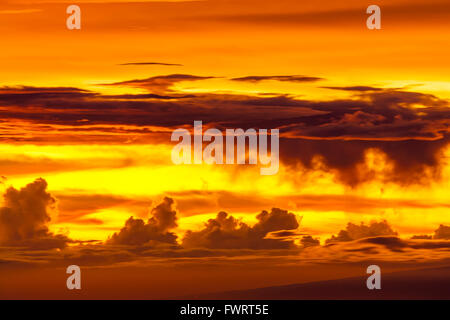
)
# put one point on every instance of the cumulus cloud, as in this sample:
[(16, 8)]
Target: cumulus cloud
[(354, 232), (155, 231), (227, 232), (309, 241), (25, 215), (443, 232)]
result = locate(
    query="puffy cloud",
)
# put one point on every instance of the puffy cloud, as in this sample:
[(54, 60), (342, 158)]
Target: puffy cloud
[(25, 215), (443, 232), (354, 232), (309, 241), (227, 232), (155, 231)]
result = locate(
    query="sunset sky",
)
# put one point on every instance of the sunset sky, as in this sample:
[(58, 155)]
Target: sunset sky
[(86, 118)]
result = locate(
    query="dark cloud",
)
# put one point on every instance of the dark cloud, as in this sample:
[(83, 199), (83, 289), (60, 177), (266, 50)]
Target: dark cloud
[(309, 241), (354, 232), (155, 231), (413, 161), (392, 243), (284, 235), (40, 96), (25, 216), (150, 63), (422, 237), (274, 235), (396, 244), (146, 96), (293, 78), (443, 232), (29, 89), (159, 83), (355, 88), (395, 122), (227, 232)]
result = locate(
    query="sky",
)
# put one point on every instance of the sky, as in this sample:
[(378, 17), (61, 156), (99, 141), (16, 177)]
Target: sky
[(86, 118)]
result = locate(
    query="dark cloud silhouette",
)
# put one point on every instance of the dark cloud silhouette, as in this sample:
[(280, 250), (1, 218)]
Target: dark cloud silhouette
[(409, 165), (25, 216), (159, 83), (24, 219), (293, 78), (355, 88), (395, 122), (227, 232), (286, 235), (155, 231), (309, 241), (354, 232), (443, 232), (396, 244), (422, 237)]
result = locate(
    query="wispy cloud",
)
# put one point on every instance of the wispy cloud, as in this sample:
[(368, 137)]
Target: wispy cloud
[(291, 78), (20, 11), (151, 64)]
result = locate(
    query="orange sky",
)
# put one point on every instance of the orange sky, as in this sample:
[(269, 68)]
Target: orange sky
[(364, 133)]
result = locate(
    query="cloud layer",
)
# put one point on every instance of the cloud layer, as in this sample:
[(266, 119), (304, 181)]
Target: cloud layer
[(25, 217), (394, 122)]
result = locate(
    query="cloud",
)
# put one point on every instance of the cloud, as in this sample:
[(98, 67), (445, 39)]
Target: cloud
[(155, 231), (354, 232), (150, 63), (222, 240), (422, 237), (393, 122), (20, 11), (355, 88), (25, 216), (227, 232), (309, 241), (158, 83), (443, 232), (396, 244), (293, 78)]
